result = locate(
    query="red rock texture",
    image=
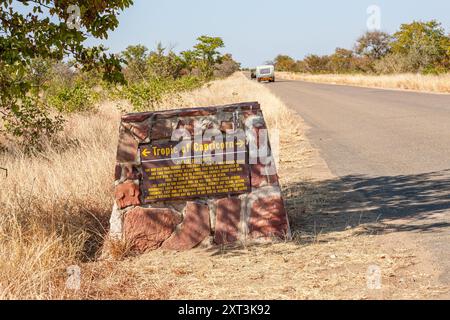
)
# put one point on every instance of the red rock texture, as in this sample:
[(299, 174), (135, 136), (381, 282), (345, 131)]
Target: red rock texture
[(260, 178), (140, 130), (136, 117), (127, 172), (194, 229), (127, 194), (131, 172), (128, 146), (188, 125), (250, 113), (118, 172), (195, 112), (261, 134), (192, 112), (268, 218), (228, 218), (161, 129), (146, 229)]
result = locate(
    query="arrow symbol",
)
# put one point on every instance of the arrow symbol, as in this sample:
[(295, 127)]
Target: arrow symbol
[(240, 143), (145, 153)]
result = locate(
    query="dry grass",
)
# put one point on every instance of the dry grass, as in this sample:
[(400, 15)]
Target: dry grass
[(53, 207), (54, 210), (320, 270), (415, 82), (236, 89)]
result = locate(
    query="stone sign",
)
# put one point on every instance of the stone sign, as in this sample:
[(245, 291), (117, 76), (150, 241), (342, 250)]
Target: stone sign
[(196, 176)]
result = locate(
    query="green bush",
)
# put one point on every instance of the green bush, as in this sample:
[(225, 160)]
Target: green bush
[(188, 83), (435, 70), (164, 65), (77, 98), (424, 44), (142, 95), (31, 122), (39, 31), (148, 95)]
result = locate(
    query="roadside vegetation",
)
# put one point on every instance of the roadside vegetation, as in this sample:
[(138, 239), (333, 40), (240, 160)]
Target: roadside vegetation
[(46, 71), (415, 57), (60, 106), (406, 81), (59, 88)]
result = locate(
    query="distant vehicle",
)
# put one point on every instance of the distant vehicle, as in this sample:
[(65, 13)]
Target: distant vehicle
[(265, 73), (253, 74)]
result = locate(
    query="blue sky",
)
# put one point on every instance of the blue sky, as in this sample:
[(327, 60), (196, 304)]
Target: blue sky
[(255, 31)]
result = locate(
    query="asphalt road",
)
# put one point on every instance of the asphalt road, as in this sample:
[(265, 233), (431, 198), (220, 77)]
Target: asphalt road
[(393, 147)]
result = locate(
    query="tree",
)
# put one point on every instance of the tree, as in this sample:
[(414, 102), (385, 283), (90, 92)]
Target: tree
[(363, 64), (316, 64), (136, 60), (285, 63), (164, 65), (208, 55), (374, 45), (227, 66), (40, 72), (424, 45), (49, 29), (341, 61), (189, 59)]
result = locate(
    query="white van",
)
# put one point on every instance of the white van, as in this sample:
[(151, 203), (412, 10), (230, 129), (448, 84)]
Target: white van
[(265, 73)]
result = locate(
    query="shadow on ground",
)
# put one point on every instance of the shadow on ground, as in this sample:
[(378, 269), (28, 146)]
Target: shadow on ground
[(403, 203), (422, 202), (379, 205)]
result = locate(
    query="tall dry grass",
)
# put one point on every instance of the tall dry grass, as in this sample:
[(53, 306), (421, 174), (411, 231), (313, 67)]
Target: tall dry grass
[(54, 207), (238, 88), (416, 82)]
